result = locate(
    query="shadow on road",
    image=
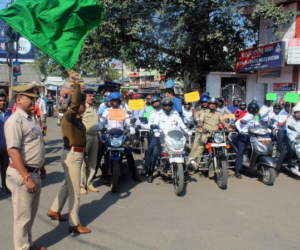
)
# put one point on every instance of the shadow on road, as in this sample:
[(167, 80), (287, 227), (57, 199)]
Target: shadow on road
[(53, 178)]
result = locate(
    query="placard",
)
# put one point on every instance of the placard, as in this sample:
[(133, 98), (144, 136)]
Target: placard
[(136, 104), (116, 114), (291, 97), (229, 116), (271, 97), (192, 97)]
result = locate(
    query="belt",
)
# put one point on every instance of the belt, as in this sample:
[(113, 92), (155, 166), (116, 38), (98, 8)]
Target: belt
[(28, 168), (76, 149)]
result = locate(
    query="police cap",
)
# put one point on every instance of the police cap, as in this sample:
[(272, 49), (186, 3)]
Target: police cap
[(89, 91), (27, 90)]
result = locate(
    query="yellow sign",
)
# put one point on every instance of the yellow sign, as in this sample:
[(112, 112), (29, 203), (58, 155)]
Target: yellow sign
[(229, 116), (192, 97), (136, 104), (117, 114)]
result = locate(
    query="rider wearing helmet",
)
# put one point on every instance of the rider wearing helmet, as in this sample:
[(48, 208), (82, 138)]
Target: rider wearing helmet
[(168, 120), (242, 126), (242, 111), (264, 113), (188, 112), (103, 106), (148, 108), (273, 117), (235, 105), (209, 121), (115, 100), (221, 107), (288, 147)]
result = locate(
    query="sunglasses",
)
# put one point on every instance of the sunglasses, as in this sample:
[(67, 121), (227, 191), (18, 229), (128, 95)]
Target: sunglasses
[(168, 105)]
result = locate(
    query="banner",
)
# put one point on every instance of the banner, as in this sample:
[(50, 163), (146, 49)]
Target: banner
[(284, 86), (263, 57)]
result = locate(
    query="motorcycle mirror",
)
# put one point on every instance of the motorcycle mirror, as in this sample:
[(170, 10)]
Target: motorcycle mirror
[(129, 113), (132, 121), (292, 128), (243, 121)]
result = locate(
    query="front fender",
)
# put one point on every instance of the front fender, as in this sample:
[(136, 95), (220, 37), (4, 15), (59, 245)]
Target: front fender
[(266, 160)]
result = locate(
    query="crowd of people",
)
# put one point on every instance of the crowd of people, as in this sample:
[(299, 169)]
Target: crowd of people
[(22, 151)]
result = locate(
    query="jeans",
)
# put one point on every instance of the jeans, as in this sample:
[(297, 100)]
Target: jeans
[(149, 151), (243, 141), (50, 110), (281, 136), (4, 161), (286, 149)]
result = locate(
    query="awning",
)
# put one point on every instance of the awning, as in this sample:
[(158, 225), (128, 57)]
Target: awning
[(55, 81), (134, 74)]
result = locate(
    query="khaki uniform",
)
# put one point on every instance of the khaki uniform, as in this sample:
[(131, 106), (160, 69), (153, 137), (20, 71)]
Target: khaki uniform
[(74, 133), (211, 122), (23, 132), (90, 119)]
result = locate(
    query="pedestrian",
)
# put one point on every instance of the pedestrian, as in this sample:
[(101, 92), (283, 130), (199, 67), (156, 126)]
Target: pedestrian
[(25, 147), (90, 119), (42, 106), (4, 159), (49, 100), (74, 139)]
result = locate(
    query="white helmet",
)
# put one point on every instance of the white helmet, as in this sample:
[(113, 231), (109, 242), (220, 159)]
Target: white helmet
[(295, 109)]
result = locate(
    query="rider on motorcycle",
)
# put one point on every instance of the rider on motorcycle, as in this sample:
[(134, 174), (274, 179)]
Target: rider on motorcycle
[(235, 105), (115, 100), (222, 108), (209, 121), (242, 126), (168, 120), (242, 111), (273, 117), (188, 112), (148, 108), (294, 120)]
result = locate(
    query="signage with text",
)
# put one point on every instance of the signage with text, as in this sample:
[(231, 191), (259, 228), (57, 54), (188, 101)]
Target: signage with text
[(136, 104), (192, 97), (117, 114), (284, 86), (294, 51)]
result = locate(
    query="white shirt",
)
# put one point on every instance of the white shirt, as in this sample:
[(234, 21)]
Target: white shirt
[(113, 124), (272, 115), (155, 114), (264, 113), (42, 106), (282, 117), (251, 122), (188, 115), (169, 122), (291, 134)]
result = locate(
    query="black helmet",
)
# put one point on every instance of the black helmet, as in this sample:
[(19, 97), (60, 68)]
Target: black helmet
[(254, 101), (155, 98), (242, 103), (287, 105), (167, 102), (235, 100), (221, 99), (65, 95), (253, 108), (277, 106), (213, 100)]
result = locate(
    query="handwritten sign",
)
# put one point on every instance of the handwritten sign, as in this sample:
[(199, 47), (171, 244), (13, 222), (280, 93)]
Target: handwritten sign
[(291, 97), (271, 97), (117, 114), (229, 116), (192, 97), (136, 104)]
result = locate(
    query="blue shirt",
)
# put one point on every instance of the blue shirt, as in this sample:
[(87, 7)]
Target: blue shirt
[(3, 119), (102, 108), (177, 106), (233, 108), (138, 113)]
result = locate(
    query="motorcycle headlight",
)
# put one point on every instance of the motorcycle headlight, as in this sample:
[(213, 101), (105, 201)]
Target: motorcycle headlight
[(218, 138), (116, 142)]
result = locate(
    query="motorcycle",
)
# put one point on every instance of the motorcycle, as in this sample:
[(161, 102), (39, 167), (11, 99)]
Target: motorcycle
[(214, 159), (140, 140), (293, 163), (258, 155), (171, 163), (60, 115)]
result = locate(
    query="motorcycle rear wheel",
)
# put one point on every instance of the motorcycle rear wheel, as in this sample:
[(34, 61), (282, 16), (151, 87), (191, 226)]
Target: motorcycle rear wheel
[(268, 176), (222, 177), (178, 180), (115, 176)]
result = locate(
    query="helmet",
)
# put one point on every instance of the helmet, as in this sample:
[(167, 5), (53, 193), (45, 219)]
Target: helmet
[(242, 103), (295, 109), (154, 99), (204, 98), (213, 100), (165, 102), (277, 106), (115, 95), (221, 99), (137, 96), (254, 101), (65, 95), (288, 105), (106, 99), (253, 108), (235, 100), (149, 97)]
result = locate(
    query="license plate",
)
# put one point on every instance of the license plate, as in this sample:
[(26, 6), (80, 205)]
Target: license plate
[(115, 149), (218, 145)]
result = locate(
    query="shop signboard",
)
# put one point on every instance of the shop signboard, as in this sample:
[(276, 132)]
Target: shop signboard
[(291, 87), (262, 57), (293, 57)]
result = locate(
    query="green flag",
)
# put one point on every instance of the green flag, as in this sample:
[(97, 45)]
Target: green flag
[(57, 27)]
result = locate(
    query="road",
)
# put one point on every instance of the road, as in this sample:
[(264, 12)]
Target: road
[(142, 216)]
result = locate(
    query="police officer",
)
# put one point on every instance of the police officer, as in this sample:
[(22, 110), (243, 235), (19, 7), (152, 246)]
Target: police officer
[(74, 138), (90, 119), (26, 168), (209, 121), (242, 126)]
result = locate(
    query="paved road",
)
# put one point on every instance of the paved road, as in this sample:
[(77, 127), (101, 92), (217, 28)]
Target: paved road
[(248, 215)]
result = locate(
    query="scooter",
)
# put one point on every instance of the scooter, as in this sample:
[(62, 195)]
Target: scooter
[(258, 156)]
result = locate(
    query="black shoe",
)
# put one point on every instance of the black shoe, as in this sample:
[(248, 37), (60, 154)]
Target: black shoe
[(144, 172), (238, 174), (135, 177), (150, 178)]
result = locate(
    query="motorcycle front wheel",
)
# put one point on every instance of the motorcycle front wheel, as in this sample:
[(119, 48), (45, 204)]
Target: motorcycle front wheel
[(115, 176), (268, 176), (178, 180), (222, 175)]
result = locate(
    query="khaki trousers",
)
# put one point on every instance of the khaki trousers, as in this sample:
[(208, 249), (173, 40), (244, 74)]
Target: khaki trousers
[(71, 162), (198, 146), (92, 152), (25, 207)]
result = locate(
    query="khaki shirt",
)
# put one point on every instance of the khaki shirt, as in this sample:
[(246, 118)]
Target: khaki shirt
[(23, 132), (73, 130), (211, 120), (199, 113), (90, 119)]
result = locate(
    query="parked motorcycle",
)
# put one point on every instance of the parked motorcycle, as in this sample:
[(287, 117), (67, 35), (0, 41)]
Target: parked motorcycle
[(258, 156)]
